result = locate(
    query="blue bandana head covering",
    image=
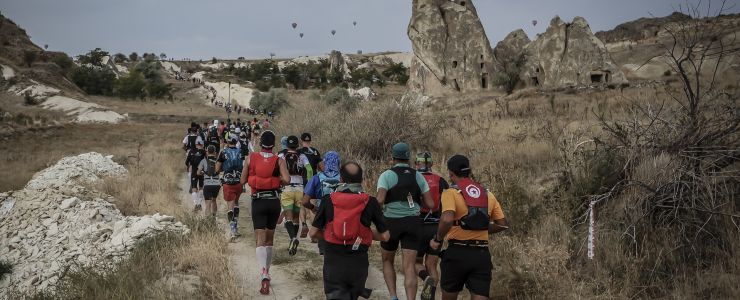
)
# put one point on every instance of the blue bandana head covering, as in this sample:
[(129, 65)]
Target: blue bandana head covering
[(331, 163), (284, 142)]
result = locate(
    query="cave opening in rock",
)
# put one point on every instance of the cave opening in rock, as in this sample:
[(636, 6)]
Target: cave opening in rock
[(535, 81), (597, 78), (454, 64), (484, 81), (455, 85)]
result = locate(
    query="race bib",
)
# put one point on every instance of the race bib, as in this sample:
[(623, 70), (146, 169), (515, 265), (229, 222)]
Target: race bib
[(212, 181), (410, 198)]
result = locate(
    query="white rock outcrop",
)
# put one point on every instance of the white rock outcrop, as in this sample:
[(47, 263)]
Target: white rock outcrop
[(55, 224)]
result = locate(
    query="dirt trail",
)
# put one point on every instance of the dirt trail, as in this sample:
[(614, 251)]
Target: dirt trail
[(297, 277)]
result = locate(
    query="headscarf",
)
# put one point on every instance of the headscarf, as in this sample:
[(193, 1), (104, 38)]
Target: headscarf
[(331, 163), (284, 142)]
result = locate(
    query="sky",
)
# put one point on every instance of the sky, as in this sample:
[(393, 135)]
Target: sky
[(254, 29)]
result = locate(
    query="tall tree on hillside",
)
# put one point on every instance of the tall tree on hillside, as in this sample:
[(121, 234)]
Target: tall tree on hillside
[(133, 56), (162, 56), (120, 57), (94, 57), (29, 57)]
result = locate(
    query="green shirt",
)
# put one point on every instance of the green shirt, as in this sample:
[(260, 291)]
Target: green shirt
[(400, 208)]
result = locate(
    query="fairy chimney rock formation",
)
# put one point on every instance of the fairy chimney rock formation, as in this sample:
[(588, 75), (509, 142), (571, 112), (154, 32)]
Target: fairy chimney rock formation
[(452, 53), (569, 54)]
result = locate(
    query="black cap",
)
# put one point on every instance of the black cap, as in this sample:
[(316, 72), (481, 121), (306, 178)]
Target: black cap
[(267, 139), (292, 142), (459, 165), (306, 137)]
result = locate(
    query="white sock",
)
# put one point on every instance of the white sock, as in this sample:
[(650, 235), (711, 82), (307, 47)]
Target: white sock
[(194, 196), (262, 258), (268, 261), (201, 198)]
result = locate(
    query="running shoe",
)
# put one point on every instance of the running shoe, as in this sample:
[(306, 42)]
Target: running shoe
[(293, 247), (427, 292), (265, 289)]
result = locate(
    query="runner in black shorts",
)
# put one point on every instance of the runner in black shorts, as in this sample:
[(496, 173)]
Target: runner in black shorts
[(404, 231), (265, 173), (211, 180), (427, 258), (196, 181)]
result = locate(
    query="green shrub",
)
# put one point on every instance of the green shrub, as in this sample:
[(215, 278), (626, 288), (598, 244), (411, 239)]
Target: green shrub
[(131, 86), (133, 56), (94, 57), (398, 73), (30, 100), (64, 62), (274, 100), (94, 80), (340, 96), (159, 89), (29, 57)]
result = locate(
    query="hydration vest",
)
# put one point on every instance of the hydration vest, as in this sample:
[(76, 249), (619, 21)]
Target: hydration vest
[(406, 189), (292, 160), (346, 227), (233, 166), (210, 177), (328, 184), (192, 139), (476, 199), (264, 173), (435, 189)]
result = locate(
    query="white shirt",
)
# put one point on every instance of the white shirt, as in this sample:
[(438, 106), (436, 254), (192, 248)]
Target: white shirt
[(185, 140)]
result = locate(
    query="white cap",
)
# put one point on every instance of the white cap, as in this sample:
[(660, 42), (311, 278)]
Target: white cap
[(215, 122), (238, 130)]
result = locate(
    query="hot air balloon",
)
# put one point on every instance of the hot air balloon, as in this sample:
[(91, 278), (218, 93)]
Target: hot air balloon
[(294, 25), (354, 23), (333, 32), (301, 34), (534, 22)]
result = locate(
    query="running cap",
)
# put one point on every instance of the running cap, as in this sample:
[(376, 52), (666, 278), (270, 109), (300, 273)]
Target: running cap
[(401, 151), (292, 142), (237, 130), (267, 139), (284, 142), (459, 164), (306, 137), (211, 149)]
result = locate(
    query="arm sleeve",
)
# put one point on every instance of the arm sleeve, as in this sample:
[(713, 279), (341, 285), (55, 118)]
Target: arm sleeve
[(496, 212), (448, 200), (423, 185), (376, 214)]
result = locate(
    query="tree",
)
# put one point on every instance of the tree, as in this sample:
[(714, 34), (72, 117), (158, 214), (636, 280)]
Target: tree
[(29, 57), (131, 86), (397, 72), (511, 64), (162, 56), (94, 57), (214, 60), (133, 56), (64, 62), (46, 46), (94, 80), (273, 101), (120, 57)]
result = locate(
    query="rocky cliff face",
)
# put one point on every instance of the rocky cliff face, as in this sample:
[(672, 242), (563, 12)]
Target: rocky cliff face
[(568, 54), (452, 53), (337, 64)]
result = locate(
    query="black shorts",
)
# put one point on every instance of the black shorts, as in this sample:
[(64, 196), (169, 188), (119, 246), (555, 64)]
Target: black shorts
[(196, 182), (406, 231), (210, 192), (265, 212), (466, 266), (428, 231), (345, 275)]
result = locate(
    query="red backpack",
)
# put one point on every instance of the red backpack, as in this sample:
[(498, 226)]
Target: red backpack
[(346, 228), (476, 198), (433, 182)]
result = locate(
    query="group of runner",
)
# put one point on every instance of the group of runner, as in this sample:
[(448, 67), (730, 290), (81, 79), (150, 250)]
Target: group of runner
[(414, 209)]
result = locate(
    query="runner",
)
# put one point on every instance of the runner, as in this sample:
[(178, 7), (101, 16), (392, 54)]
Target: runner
[(196, 180), (265, 173), (230, 163), (290, 199), (190, 140), (322, 184), (254, 141), (211, 180), (427, 258), (343, 222), (469, 214), (314, 158), (243, 144), (213, 137), (400, 191)]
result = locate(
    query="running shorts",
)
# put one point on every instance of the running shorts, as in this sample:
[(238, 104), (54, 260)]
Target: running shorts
[(265, 212), (406, 231), (210, 192), (345, 275), (232, 192), (196, 182), (291, 198), (466, 266), (428, 231)]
